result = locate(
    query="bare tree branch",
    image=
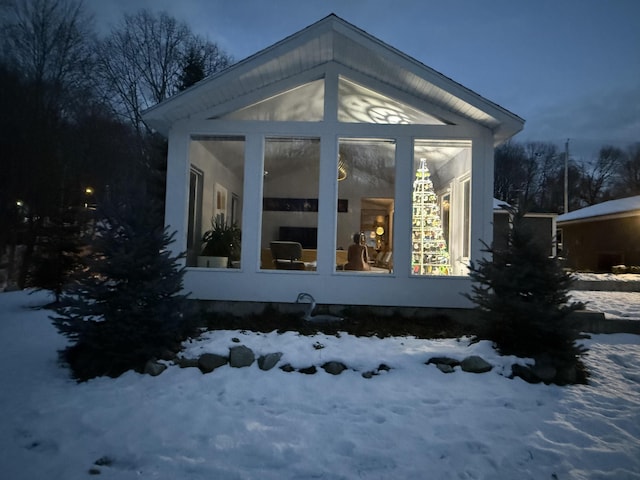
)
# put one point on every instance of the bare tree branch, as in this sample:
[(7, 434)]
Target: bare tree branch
[(142, 59)]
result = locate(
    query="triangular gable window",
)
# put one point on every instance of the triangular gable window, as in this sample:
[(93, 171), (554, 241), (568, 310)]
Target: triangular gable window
[(304, 103), (358, 104)]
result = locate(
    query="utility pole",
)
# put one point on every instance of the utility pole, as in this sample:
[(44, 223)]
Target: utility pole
[(566, 177)]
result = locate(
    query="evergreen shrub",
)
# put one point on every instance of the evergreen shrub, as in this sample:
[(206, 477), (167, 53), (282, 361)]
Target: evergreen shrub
[(126, 305), (522, 294)]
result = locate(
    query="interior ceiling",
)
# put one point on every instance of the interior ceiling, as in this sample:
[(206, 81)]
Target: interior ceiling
[(366, 160), (303, 103), (356, 104)]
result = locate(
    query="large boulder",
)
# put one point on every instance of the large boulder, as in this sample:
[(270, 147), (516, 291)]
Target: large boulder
[(334, 368), (451, 362), (381, 368), (268, 361), (475, 364), (444, 364), (308, 370), (241, 356), (184, 362), (154, 368), (208, 362), (444, 368)]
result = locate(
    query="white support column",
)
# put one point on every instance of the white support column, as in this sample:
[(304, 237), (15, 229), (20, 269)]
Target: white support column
[(403, 203), (176, 196), (252, 202), (481, 194), (327, 199)]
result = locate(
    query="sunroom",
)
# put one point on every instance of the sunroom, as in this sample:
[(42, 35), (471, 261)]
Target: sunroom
[(328, 139)]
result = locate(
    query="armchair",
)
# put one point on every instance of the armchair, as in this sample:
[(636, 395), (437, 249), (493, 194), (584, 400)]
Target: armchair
[(287, 255)]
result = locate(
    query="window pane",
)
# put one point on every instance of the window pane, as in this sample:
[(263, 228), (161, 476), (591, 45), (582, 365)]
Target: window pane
[(366, 192), (217, 176), (289, 237), (440, 207)]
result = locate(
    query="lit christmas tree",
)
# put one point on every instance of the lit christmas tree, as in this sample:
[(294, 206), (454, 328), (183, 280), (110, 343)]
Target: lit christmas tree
[(430, 255)]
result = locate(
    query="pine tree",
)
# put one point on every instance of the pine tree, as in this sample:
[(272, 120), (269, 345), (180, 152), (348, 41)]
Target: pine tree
[(126, 306), (522, 296), (193, 69)]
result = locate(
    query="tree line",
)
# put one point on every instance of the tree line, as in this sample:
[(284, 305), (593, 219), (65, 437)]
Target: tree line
[(531, 175), (71, 129)]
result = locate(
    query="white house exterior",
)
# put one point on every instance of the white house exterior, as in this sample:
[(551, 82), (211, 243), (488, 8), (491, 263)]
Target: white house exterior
[(326, 134)]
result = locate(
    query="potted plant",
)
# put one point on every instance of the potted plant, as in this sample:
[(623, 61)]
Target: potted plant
[(221, 244)]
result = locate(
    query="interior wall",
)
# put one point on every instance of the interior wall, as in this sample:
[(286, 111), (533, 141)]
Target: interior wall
[(214, 171), (456, 167), (289, 181), (350, 222)]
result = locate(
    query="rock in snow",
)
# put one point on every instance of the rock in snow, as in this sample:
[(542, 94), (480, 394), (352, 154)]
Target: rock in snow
[(208, 362), (154, 368), (267, 362), (475, 364), (241, 356), (334, 368)]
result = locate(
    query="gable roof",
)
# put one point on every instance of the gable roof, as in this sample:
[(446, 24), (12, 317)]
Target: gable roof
[(332, 39), (622, 207)]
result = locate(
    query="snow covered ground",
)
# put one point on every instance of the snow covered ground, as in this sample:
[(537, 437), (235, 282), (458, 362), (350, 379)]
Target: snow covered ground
[(615, 305), (412, 422)]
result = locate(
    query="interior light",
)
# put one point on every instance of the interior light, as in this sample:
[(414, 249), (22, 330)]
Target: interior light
[(379, 231), (342, 169)]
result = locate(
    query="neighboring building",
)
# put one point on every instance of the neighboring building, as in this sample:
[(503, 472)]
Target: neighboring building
[(324, 134), (541, 225), (598, 237)]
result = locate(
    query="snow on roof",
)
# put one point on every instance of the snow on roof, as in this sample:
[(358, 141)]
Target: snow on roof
[(619, 207), (497, 204)]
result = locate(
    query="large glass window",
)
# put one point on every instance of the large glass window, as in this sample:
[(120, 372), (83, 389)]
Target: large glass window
[(441, 207), (366, 192), (216, 177), (289, 237)]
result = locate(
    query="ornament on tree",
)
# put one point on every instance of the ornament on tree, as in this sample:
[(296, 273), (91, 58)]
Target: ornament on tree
[(430, 255)]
